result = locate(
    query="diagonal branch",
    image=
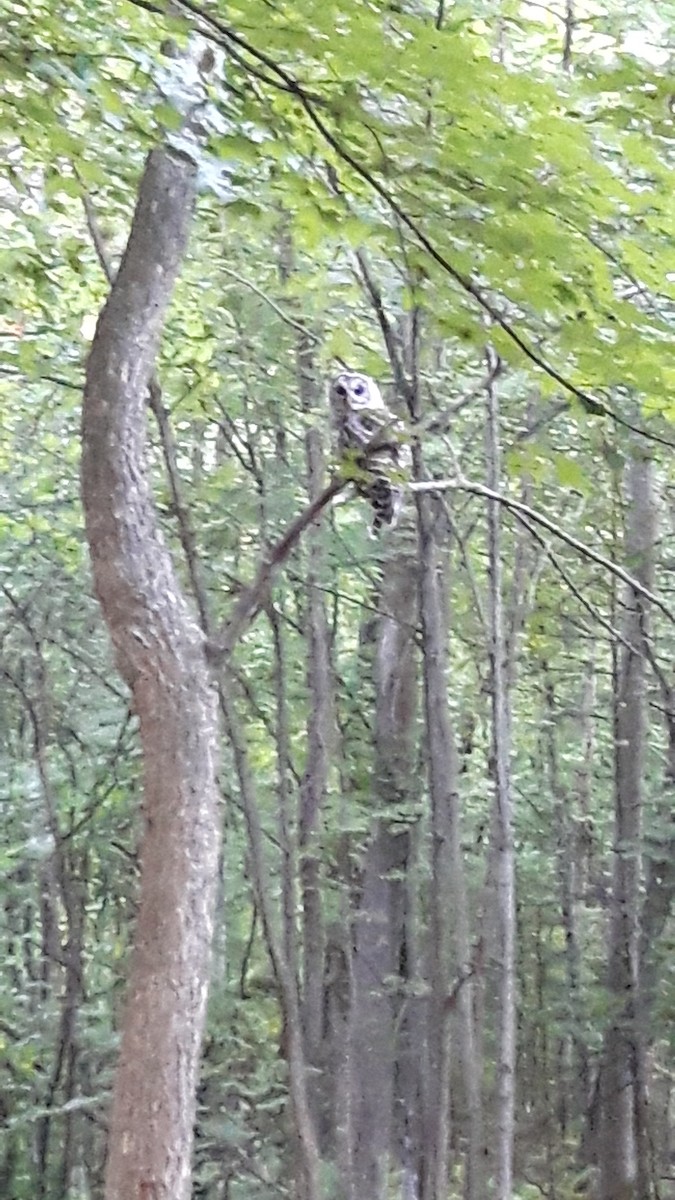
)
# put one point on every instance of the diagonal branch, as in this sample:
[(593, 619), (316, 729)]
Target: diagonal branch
[(253, 598), (517, 506)]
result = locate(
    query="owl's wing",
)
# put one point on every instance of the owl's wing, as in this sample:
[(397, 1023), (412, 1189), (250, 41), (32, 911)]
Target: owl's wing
[(388, 443)]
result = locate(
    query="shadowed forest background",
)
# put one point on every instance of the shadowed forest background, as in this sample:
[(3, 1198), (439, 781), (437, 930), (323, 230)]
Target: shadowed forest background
[(414, 791)]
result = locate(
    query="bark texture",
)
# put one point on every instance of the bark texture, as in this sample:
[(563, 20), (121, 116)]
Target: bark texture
[(381, 961), (505, 866), (621, 1154), (320, 738), (159, 651)]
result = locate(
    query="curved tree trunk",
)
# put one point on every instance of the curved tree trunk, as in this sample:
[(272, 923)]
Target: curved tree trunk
[(160, 652)]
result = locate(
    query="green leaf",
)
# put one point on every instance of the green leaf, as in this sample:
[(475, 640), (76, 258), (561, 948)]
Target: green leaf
[(570, 474), (168, 117)]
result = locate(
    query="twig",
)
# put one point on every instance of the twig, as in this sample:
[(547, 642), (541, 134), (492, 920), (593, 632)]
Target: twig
[(95, 233), (59, 380), (252, 287), (593, 612)]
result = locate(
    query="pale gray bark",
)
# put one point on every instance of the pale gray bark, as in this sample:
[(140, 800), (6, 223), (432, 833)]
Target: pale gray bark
[(380, 922), (320, 738), (160, 652), (383, 1090), (443, 782), (622, 1066), (571, 1096), (504, 861), (659, 891), (308, 1182), (568, 35), (449, 923)]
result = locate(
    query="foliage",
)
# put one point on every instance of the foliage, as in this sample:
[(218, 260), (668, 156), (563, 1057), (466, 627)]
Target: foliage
[(492, 195)]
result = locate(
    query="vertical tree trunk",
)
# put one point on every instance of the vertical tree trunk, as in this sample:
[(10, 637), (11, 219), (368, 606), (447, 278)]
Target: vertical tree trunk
[(568, 36), (308, 1184), (319, 739), (505, 883), (443, 782), (659, 893), (622, 1062), (448, 936), (160, 652), (380, 952), (571, 1095), (60, 879)]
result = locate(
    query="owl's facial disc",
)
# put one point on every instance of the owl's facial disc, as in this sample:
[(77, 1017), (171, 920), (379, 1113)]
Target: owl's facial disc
[(358, 391), (360, 394)]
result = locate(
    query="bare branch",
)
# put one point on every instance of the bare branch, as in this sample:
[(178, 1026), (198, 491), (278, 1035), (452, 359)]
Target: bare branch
[(253, 598), (479, 489), (284, 316)]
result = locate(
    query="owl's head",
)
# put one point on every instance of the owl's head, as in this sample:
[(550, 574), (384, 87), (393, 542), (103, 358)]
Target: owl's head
[(353, 390)]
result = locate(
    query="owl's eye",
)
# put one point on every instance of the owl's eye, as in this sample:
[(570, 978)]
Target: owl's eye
[(341, 391), (359, 389)]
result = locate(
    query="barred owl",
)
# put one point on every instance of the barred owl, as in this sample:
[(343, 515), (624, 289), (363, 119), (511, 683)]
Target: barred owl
[(369, 436)]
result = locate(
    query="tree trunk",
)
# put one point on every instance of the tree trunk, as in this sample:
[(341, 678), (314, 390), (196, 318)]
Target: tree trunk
[(505, 883), (320, 737), (570, 1102), (448, 936), (659, 893), (160, 653), (622, 1063), (380, 952), (442, 771), (308, 1183)]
